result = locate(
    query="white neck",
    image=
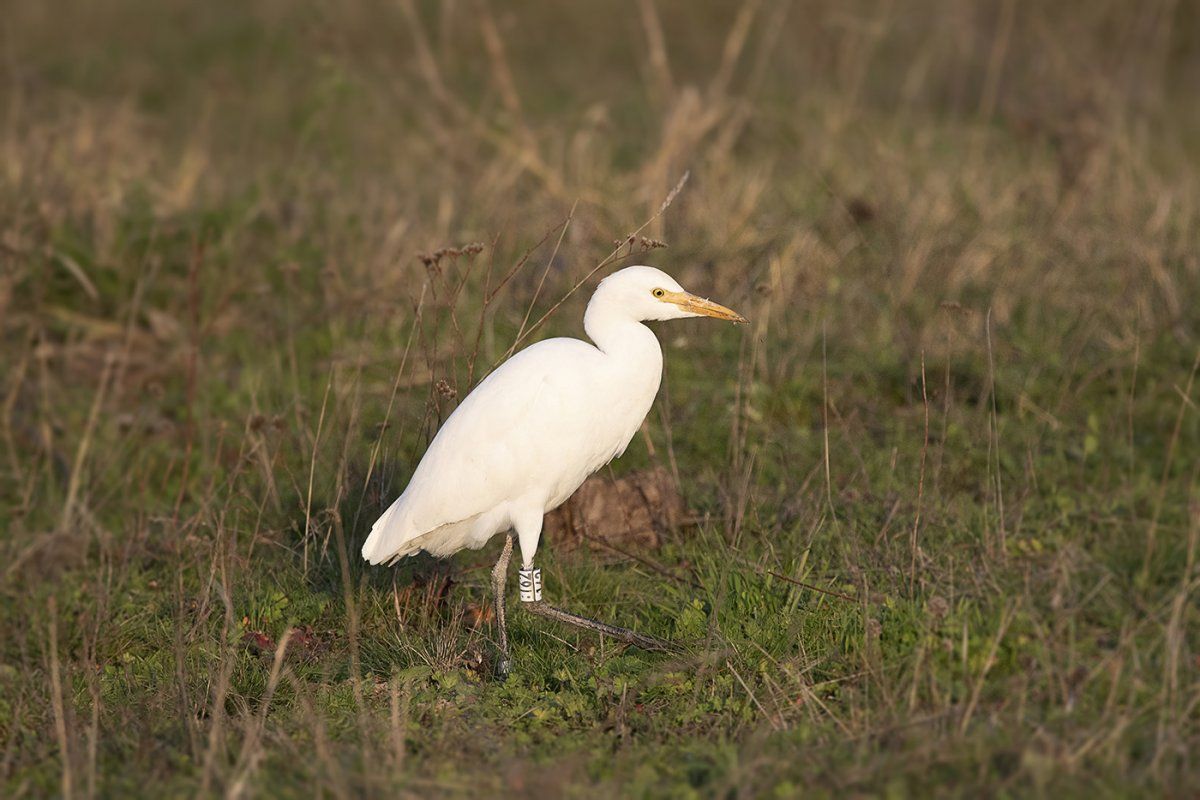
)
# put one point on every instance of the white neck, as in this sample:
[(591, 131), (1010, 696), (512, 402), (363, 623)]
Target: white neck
[(616, 333), (633, 363)]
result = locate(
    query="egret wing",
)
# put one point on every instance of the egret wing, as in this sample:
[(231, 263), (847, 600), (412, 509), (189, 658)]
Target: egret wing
[(490, 450)]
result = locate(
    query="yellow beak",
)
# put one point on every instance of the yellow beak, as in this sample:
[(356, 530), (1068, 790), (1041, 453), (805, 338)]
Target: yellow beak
[(698, 305)]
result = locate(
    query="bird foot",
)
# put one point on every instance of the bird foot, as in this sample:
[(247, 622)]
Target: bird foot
[(651, 643), (625, 635)]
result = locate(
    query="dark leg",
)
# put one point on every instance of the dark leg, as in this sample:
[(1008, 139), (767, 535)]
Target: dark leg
[(499, 576), (625, 635)]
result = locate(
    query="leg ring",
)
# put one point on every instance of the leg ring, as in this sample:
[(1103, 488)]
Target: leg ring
[(530, 582)]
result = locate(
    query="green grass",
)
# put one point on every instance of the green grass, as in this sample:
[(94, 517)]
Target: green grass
[(945, 486)]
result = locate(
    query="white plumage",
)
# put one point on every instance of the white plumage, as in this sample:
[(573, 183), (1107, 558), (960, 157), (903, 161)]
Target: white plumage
[(531, 432)]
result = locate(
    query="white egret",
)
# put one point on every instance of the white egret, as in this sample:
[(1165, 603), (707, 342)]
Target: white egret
[(532, 431)]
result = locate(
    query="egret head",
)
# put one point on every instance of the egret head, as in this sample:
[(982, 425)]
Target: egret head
[(646, 293)]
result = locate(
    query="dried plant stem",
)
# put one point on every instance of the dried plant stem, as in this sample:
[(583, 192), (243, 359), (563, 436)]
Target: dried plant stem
[(735, 42), (68, 511), (312, 469), (994, 438), (1168, 460), (989, 662), (542, 281), (251, 752), (987, 99), (399, 720), (913, 542), (58, 705), (812, 587), (216, 706), (825, 421), (660, 64), (387, 414)]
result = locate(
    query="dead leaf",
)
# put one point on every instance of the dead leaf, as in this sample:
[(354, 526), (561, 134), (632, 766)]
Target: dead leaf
[(477, 615), (258, 642), (306, 645)]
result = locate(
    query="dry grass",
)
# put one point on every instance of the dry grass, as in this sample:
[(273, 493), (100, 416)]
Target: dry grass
[(251, 255)]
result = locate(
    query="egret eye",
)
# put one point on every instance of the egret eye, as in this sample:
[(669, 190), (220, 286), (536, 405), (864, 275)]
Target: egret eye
[(659, 292)]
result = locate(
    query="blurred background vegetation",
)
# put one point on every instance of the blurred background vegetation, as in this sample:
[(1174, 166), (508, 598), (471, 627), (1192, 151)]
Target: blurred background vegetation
[(943, 489)]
